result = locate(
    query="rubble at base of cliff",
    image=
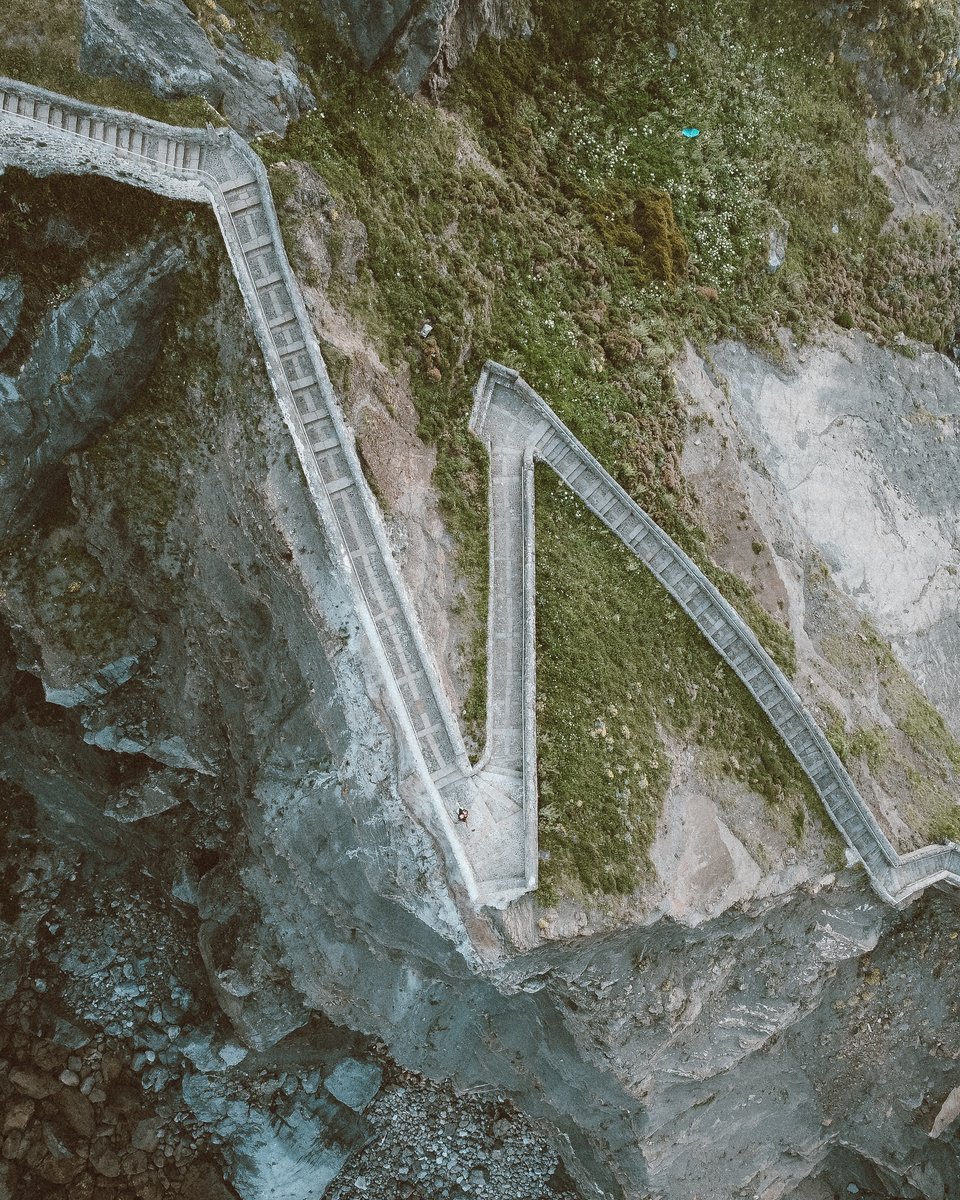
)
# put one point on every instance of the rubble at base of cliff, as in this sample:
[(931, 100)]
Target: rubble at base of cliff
[(430, 1143), (117, 1080)]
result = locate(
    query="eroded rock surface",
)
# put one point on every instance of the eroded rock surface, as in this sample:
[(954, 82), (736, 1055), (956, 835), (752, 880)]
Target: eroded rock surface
[(862, 445), (92, 354), (831, 487), (11, 302)]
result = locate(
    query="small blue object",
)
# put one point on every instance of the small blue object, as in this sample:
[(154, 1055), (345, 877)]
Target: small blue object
[(690, 133)]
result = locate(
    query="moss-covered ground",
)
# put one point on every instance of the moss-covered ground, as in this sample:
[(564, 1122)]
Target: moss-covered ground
[(550, 213)]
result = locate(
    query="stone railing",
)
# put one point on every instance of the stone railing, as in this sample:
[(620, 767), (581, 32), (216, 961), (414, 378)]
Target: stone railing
[(507, 410)]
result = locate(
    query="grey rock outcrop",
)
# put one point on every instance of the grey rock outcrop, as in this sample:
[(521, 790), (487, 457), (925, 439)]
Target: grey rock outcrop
[(162, 47), (369, 29), (354, 1083), (777, 237), (11, 302), (91, 355), (859, 445), (428, 38)]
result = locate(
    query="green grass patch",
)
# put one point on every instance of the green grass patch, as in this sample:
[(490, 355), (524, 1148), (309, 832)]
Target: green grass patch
[(620, 668), (872, 744), (945, 825), (923, 754)]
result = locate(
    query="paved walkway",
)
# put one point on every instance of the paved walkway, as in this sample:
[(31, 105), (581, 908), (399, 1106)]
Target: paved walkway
[(495, 848)]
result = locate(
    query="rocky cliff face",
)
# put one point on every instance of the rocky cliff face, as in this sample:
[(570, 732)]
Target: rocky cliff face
[(214, 873), (425, 38), (177, 50), (92, 354), (860, 444), (246, 842), (230, 961)]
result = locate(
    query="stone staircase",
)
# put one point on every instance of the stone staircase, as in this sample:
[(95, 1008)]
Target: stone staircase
[(508, 413)]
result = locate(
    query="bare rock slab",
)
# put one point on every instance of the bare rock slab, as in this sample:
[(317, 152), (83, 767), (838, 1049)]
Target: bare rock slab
[(354, 1083)]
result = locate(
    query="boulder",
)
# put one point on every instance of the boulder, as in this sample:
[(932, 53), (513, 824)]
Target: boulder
[(34, 1084), (949, 1111), (354, 1083), (77, 1112), (777, 246)]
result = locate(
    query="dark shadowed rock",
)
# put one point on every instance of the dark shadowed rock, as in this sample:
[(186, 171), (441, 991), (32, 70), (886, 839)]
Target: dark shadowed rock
[(427, 39), (204, 1182), (77, 1112), (92, 354), (34, 1084)]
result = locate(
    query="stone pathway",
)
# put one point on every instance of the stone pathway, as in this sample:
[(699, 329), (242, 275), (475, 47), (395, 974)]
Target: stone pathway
[(495, 847)]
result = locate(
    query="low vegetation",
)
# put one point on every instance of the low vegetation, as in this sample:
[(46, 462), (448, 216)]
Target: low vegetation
[(621, 669), (53, 230), (915, 756), (916, 42)]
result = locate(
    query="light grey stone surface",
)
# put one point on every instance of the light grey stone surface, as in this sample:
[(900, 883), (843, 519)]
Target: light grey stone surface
[(354, 1083), (861, 443), (777, 238)]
